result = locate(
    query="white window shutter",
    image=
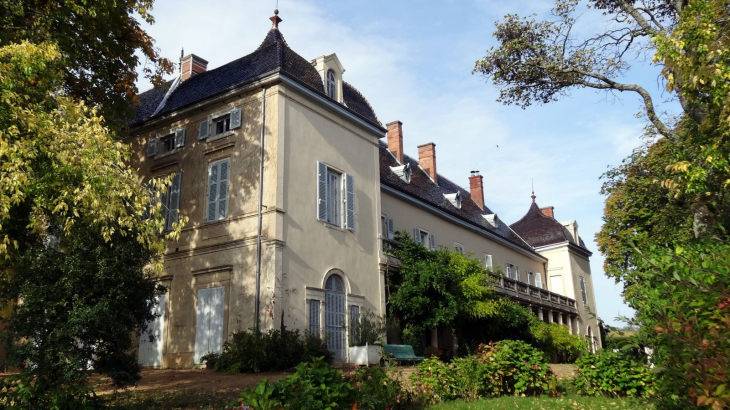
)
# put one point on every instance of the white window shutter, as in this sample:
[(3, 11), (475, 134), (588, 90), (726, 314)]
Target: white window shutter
[(538, 280), (350, 202), (432, 239), (509, 271), (517, 273), (235, 118), (213, 171), (391, 229), (180, 138), (174, 203), (417, 235), (216, 319), (223, 190), (152, 147), (203, 129), (202, 324), (321, 191)]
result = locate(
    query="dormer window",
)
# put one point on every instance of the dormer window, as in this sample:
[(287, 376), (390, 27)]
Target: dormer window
[(331, 85), (491, 219), (455, 199), (404, 172)]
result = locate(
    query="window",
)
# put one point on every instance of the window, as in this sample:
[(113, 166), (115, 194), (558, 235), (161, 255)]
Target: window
[(222, 124), (314, 317), (459, 247), (354, 321), (219, 123), (170, 142), (583, 290), (538, 280), (331, 85), (513, 271), (218, 190), (171, 202), (333, 207), (488, 261), (530, 278), (424, 238)]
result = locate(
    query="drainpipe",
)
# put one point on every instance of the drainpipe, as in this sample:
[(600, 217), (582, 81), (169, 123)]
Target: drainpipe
[(261, 200)]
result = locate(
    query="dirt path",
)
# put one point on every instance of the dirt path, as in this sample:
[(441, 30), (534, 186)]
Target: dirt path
[(156, 381)]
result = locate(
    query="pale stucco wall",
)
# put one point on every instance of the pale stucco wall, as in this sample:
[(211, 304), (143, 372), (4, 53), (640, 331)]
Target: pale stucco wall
[(406, 217), (310, 133)]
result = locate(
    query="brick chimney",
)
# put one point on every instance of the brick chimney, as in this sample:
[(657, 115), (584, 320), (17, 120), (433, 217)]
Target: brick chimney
[(395, 139), (548, 211), (476, 187), (191, 65), (427, 159)]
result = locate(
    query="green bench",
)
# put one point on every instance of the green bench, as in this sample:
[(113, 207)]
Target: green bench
[(401, 353)]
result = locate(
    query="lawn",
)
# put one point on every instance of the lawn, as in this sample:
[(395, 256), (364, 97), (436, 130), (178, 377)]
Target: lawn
[(193, 399), (569, 402)]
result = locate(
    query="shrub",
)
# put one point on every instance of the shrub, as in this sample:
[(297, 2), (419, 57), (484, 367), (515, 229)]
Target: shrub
[(20, 392), (316, 385), (250, 352), (370, 329), (376, 390), (524, 369), (506, 368), (613, 374)]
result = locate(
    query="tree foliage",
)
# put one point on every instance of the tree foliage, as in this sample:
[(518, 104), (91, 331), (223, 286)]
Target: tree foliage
[(79, 235), (100, 45)]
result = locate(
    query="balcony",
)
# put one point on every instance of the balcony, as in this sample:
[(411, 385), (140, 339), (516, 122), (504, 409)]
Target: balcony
[(525, 293)]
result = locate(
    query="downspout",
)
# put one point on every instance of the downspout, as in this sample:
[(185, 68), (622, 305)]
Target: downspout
[(261, 200)]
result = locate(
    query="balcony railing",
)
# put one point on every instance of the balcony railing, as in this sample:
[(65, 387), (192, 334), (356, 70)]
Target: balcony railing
[(533, 294)]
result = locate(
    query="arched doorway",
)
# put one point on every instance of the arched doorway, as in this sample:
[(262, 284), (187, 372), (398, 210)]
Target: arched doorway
[(334, 309)]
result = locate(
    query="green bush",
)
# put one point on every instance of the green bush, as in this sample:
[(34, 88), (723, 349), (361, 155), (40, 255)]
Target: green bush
[(506, 368), (370, 329), (316, 385), (250, 352), (613, 374), (376, 390), (20, 392)]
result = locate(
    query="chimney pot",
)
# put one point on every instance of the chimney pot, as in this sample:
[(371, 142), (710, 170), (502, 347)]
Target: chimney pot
[(395, 139), (548, 211), (427, 159), (476, 186), (192, 65)]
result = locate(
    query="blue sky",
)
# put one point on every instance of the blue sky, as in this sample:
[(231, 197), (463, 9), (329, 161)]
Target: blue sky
[(413, 61)]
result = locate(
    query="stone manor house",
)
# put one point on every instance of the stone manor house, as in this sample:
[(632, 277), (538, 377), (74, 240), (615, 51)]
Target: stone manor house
[(294, 187)]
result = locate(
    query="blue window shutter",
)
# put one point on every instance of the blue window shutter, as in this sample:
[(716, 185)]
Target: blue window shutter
[(417, 235), (350, 202), (321, 191), (223, 190), (203, 129), (314, 317), (152, 147), (432, 239), (180, 138), (391, 230), (235, 118), (212, 191)]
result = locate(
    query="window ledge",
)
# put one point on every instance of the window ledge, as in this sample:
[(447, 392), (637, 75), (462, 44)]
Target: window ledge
[(335, 227), (220, 136), (167, 154)]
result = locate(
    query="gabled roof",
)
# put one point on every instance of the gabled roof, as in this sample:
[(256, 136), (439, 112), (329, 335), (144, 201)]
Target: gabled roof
[(423, 188), (273, 55), (539, 229)]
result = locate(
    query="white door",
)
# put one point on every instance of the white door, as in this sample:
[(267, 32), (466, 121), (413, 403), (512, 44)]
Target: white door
[(150, 353), (556, 285), (209, 322), (334, 309)]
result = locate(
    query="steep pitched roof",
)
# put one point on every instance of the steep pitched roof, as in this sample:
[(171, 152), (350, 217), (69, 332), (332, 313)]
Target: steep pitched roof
[(422, 187), (539, 229), (273, 55)]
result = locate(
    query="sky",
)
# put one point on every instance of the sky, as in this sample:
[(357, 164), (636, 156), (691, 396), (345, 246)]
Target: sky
[(413, 61)]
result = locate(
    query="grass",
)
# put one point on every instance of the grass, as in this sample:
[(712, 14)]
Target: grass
[(175, 400), (538, 403)]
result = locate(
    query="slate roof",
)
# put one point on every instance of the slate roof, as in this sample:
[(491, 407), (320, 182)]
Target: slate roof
[(539, 229), (273, 55), (423, 188)]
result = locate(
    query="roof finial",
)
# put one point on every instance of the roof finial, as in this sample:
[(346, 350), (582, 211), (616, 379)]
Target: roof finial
[(533, 191), (275, 19)]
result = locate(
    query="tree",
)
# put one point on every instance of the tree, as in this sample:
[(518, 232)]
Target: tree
[(80, 237), (99, 43), (436, 288)]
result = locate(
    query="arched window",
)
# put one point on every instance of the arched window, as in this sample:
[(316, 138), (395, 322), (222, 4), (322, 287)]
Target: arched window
[(335, 317), (331, 85)]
